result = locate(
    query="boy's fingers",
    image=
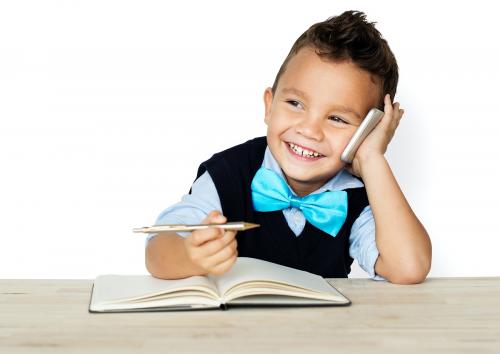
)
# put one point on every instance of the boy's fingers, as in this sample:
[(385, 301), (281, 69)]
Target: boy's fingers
[(387, 111), (199, 237), (217, 245), (393, 113), (398, 114), (223, 264), (223, 253), (388, 104)]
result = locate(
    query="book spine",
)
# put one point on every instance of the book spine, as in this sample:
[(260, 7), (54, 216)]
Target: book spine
[(223, 307)]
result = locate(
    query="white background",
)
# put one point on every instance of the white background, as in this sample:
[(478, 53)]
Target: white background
[(108, 107)]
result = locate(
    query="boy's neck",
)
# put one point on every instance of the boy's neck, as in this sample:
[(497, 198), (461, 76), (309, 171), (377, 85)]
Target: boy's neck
[(303, 189)]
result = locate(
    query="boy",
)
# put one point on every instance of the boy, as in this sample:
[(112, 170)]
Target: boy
[(316, 213)]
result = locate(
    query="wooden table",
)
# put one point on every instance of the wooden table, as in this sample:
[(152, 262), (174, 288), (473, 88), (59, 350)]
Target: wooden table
[(454, 315)]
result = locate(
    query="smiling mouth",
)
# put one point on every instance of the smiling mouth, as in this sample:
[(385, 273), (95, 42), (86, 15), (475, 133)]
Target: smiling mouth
[(302, 152)]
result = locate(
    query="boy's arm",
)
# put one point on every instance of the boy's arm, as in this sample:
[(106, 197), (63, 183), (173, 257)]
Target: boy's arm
[(166, 254), (403, 243), (208, 251)]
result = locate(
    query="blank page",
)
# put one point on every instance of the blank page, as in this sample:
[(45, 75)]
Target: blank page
[(126, 287), (252, 269)]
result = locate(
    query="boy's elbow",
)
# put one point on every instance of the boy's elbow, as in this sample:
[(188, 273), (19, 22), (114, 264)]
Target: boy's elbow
[(417, 272), (407, 279), (408, 274), (412, 275)]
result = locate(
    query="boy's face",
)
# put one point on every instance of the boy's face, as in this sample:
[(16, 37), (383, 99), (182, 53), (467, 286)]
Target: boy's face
[(306, 111)]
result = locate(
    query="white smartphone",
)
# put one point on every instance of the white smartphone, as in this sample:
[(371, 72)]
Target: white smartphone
[(371, 120)]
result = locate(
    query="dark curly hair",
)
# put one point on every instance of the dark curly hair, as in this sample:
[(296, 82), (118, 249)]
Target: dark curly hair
[(350, 37)]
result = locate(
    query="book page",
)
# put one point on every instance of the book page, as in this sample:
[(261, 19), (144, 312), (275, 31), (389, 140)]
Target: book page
[(125, 288), (247, 269)]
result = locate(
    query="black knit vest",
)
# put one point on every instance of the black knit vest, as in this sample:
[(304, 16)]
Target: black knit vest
[(315, 251)]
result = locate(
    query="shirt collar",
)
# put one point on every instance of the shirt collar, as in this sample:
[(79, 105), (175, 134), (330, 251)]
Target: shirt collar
[(342, 180)]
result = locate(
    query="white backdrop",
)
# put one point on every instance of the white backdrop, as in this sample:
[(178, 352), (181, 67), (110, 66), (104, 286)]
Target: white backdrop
[(108, 107)]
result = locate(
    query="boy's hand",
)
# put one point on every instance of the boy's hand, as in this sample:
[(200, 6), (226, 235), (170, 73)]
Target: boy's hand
[(213, 250), (377, 141)]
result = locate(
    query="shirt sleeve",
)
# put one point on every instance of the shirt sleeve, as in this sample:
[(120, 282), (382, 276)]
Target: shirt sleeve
[(192, 208), (362, 245)]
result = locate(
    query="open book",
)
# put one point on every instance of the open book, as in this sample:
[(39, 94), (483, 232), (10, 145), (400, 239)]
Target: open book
[(249, 282)]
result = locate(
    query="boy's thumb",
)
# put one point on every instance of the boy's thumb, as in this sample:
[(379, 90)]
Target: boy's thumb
[(215, 216)]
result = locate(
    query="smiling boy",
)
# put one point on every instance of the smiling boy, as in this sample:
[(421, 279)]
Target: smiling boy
[(316, 213)]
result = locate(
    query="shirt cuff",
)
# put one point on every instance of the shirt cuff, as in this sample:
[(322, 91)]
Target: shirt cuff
[(372, 259)]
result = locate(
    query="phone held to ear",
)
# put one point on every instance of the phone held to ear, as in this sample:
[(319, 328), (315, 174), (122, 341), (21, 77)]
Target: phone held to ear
[(371, 120)]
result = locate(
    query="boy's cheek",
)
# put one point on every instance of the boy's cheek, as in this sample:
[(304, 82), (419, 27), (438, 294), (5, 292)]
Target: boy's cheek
[(338, 142), (275, 132)]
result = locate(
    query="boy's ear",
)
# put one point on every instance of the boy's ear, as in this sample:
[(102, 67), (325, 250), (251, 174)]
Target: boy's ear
[(268, 101)]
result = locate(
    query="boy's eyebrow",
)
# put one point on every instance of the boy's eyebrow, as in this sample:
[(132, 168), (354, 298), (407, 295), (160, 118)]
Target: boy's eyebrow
[(341, 108), (295, 91)]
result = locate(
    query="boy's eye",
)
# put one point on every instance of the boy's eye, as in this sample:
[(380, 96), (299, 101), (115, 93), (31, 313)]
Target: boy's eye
[(333, 118), (293, 102), (337, 119)]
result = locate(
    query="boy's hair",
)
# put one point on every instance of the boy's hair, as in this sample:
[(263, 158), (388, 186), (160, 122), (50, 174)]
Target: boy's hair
[(349, 37)]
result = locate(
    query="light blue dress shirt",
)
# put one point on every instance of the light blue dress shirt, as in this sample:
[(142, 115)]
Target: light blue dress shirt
[(194, 207)]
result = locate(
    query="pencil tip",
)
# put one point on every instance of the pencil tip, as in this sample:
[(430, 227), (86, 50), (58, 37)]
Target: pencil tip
[(249, 225)]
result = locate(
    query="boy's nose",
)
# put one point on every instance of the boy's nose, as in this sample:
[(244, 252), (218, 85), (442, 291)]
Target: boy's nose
[(310, 127)]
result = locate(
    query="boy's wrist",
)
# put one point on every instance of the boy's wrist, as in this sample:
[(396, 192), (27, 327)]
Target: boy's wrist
[(366, 162)]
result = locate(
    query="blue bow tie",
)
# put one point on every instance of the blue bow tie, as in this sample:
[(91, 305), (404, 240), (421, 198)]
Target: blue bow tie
[(327, 211)]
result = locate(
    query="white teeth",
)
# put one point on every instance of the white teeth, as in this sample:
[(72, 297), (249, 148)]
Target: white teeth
[(303, 152)]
